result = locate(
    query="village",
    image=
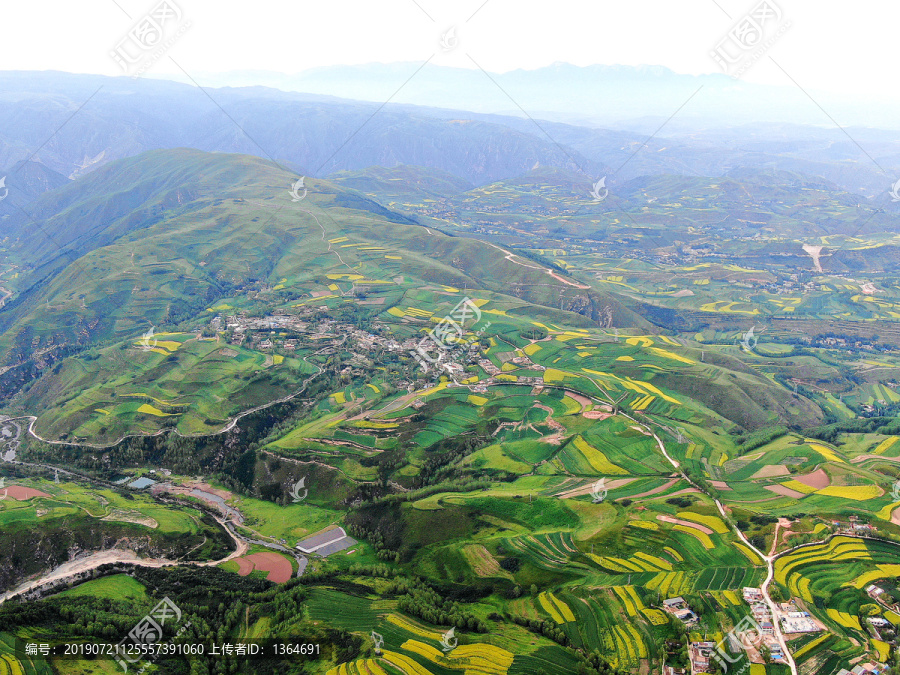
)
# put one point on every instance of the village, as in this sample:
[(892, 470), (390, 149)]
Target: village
[(754, 635), (285, 334)]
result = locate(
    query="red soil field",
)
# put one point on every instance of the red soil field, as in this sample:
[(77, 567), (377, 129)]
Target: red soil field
[(278, 567), (244, 566), (785, 491), (21, 494), (657, 490), (817, 479)]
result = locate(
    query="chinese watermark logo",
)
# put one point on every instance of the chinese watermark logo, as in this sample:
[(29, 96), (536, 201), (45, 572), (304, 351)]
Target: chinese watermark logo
[(894, 191), (677, 433), (448, 334), (6, 189), (295, 491), (295, 190), (448, 40), (148, 341), (747, 634), (599, 191), (378, 641), (749, 340), (449, 640), (149, 39), (599, 491), (148, 631), (895, 491), (749, 39)]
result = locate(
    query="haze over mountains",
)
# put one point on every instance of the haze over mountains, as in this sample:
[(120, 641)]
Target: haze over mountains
[(617, 96), (317, 135)]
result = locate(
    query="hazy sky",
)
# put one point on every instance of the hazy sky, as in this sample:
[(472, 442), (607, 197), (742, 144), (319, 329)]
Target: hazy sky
[(830, 45)]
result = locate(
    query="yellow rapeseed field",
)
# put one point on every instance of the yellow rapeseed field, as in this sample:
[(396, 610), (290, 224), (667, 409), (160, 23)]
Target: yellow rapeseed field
[(597, 459), (714, 523), (855, 492)]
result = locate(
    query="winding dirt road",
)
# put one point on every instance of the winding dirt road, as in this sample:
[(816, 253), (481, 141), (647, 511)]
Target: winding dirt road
[(228, 427), (509, 256), (114, 555)]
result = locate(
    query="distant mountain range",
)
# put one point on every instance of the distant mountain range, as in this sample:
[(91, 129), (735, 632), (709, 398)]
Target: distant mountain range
[(26, 181), (73, 124), (617, 96)]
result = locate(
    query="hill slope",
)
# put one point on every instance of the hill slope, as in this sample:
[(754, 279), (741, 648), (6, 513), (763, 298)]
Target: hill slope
[(172, 239)]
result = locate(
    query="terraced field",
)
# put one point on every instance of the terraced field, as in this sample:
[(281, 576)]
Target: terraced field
[(829, 579), (15, 663)]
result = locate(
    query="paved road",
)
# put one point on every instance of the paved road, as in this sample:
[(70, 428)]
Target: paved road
[(768, 559)]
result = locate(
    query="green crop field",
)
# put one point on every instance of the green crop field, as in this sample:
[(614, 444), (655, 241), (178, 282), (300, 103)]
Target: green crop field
[(117, 587)]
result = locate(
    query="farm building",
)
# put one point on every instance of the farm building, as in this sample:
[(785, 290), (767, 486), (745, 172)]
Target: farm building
[(879, 625), (685, 615), (752, 595), (879, 622), (799, 622), (874, 591), (760, 610), (867, 669), (701, 656), (326, 543)]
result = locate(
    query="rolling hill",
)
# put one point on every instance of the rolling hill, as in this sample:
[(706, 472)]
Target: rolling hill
[(171, 238)]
